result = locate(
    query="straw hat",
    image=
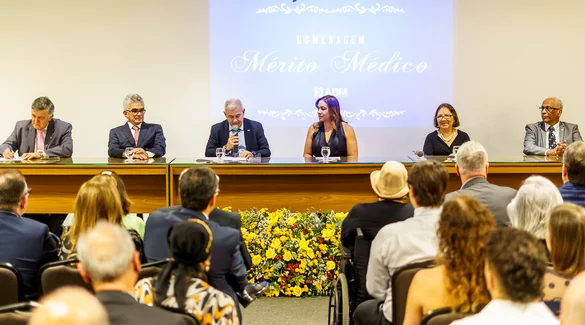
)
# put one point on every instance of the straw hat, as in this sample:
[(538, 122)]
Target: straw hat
[(390, 181)]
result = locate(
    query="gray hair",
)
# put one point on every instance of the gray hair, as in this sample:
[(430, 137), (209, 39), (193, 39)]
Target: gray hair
[(530, 209), (43, 103), (69, 305), (232, 104), (131, 98), (558, 102), (105, 251), (472, 158)]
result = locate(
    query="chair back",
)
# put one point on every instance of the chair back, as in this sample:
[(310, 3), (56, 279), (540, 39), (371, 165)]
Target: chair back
[(189, 320), (152, 269), (59, 274), (442, 316), (401, 280), (10, 284), (16, 314), (360, 257)]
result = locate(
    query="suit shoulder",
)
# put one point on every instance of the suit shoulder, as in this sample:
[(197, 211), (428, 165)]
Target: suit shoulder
[(61, 123), (254, 124), (570, 125), (154, 125), (22, 123), (33, 226)]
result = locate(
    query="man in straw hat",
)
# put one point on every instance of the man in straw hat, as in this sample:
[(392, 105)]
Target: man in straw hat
[(393, 205), (401, 243)]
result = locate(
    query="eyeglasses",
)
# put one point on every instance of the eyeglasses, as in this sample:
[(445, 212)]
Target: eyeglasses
[(548, 109), (446, 117), (137, 111)]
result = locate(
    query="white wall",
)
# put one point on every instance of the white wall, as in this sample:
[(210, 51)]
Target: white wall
[(87, 55)]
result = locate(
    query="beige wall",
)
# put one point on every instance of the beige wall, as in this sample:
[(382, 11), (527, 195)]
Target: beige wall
[(87, 55)]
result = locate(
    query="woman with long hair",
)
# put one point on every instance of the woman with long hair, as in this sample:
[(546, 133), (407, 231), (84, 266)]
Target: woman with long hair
[(182, 283), (130, 221), (458, 279), (330, 131)]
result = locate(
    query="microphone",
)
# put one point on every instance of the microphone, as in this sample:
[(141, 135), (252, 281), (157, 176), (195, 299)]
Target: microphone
[(419, 153), (235, 129)]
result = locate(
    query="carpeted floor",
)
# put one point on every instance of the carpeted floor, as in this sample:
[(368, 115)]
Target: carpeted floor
[(287, 311)]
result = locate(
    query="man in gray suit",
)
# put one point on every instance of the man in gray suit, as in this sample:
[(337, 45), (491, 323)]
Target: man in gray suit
[(40, 137), (472, 166), (551, 136)]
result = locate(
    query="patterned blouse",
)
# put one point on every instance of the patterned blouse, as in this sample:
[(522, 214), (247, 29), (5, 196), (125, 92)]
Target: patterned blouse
[(207, 304)]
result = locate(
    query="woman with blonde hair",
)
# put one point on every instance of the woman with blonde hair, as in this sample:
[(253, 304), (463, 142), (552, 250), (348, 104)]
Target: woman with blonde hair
[(97, 199), (565, 239), (458, 279)]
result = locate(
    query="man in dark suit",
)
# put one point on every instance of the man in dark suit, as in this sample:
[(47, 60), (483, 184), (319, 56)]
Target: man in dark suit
[(551, 136), (472, 167), (24, 243), (239, 136), (573, 189), (222, 218), (40, 137), (109, 262), (147, 140)]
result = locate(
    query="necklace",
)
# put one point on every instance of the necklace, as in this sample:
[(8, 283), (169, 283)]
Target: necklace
[(447, 139)]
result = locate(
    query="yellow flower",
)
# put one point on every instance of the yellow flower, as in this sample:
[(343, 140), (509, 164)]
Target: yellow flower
[(291, 221), (297, 291), (303, 244), (310, 253), (271, 254), (276, 244), (318, 286), (323, 248), (256, 259), (330, 265), (287, 256), (228, 209), (340, 215), (283, 239)]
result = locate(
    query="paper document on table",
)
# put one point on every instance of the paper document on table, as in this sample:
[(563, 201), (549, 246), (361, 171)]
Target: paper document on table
[(10, 159), (328, 159), (234, 159)]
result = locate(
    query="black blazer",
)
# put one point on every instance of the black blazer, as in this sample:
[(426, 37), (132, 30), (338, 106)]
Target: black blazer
[(254, 135), (371, 217), (223, 218), (151, 138), (435, 146), (227, 271), (123, 309), (27, 245)]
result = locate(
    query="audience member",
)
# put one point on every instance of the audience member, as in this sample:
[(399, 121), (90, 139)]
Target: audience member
[(574, 174), (182, 283), (97, 199), (573, 311), (392, 205), (25, 243), (531, 207), (514, 271), (69, 306), (198, 188), (130, 221), (472, 166), (458, 279), (401, 243), (566, 242), (109, 262)]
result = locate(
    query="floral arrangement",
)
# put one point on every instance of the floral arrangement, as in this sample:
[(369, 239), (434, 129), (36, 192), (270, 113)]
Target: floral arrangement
[(297, 254)]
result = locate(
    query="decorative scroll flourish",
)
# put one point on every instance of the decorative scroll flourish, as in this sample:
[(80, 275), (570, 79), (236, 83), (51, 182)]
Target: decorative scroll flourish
[(312, 115), (358, 8)]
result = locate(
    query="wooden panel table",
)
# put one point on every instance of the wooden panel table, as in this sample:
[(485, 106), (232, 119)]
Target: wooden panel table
[(55, 183), (301, 184)]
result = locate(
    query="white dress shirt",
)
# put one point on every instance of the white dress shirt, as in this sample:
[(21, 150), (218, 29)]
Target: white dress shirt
[(507, 312), (397, 245), (556, 132), (130, 125)]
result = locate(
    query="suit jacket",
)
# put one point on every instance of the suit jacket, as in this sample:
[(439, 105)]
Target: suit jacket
[(254, 135), (123, 309), (222, 218), (371, 217), (495, 198), (27, 245), (151, 138), (536, 137), (227, 271), (58, 141), (573, 193)]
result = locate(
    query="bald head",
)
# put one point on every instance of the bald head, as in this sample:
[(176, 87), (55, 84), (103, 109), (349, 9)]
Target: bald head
[(573, 304), (69, 306)]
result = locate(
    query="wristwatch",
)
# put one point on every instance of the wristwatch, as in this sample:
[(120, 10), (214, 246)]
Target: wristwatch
[(43, 154)]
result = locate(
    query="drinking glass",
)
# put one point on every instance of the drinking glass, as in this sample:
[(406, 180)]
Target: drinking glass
[(129, 153), (219, 153), (325, 152)]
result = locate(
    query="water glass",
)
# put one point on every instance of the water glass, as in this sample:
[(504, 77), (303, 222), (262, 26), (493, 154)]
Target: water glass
[(129, 153), (219, 153), (325, 152)]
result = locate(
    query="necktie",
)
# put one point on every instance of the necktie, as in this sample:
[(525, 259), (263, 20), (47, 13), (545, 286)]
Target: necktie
[(40, 140), (552, 139), (136, 132)]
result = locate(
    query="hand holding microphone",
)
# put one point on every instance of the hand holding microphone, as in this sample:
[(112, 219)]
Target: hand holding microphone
[(233, 140)]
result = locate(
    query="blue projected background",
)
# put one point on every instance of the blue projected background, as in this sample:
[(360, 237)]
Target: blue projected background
[(390, 63)]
